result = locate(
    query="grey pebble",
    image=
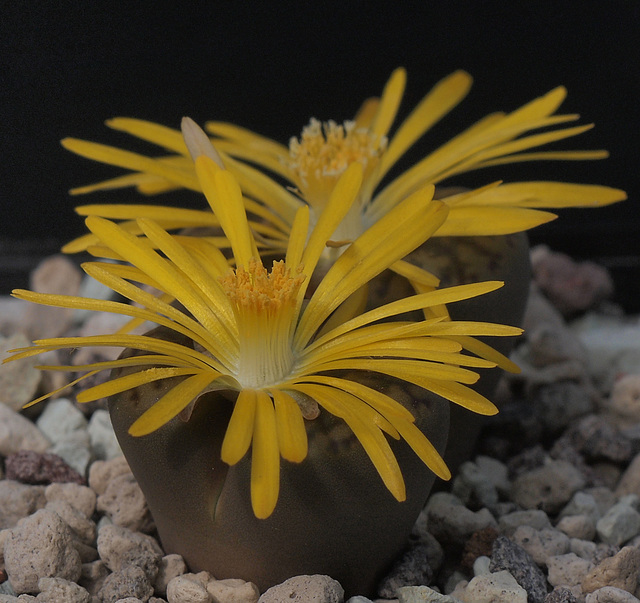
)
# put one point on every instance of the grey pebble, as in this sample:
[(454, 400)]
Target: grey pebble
[(507, 555), (578, 526), (582, 503), (549, 487), (560, 594), (119, 546), (619, 524), (103, 439), (541, 544), (451, 522), (18, 501), (611, 594), (19, 379), (130, 581), (412, 569), (57, 589), (18, 433), (567, 570), (302, 589), (59, 419), (40, 546), (472, 485), (422, 594), (509, 523)]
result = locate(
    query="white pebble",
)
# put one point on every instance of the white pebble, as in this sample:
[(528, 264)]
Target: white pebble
[(103, 439), (40, 546), (233, 591), (567, 570), (18, 433), (60, 418), (124, 502), (170, 567), (611, 594), (499, 587), (80, 497), (19, 379), (182, 589)]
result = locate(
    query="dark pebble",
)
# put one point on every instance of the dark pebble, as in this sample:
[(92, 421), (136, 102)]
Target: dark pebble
[(36, 468), (507, 555), (560, 594), (412, 569)]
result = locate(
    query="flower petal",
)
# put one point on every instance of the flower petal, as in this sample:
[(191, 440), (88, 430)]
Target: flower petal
[(118, 385), (265, 458), (340, 404), (169, 138), (389, 102), (292, 435), (240, 429), (131, 161), (472, 221), (224, 195), (170, 405), (403, 229), (443, 97)]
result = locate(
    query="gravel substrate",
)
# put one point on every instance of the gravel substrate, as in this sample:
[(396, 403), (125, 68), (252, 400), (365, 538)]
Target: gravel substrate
[(547, 512)]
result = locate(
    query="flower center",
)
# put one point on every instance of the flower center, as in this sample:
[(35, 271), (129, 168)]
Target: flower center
[(325, 150), (265, 308)]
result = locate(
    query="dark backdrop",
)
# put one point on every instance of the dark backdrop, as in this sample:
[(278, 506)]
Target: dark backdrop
[(65, 67)]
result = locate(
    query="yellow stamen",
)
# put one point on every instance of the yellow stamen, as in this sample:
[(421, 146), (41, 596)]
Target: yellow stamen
[(325, 150), (265, 307)]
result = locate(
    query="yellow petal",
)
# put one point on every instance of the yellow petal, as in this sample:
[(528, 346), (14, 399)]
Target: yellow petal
[(481, 349), (186, 356), (391, 238), (191, 269), (512, 147), (444, 96), (415, 274), (171, 404), (259, 186), (130, 161), (366, 113), (389, 102), (297, 238), (159, 213), (382, 403), (171, 280), (337, 207), (158, 134), (407, 370), (121, 384), (224, 196), (292, 435), (339, 403), (539, 194), (458, 394), (408, 304), (471, 221), (147, 184), (98, 305), (425, 450), (545, 156), (265, 458), (239, 433), (247, 138)]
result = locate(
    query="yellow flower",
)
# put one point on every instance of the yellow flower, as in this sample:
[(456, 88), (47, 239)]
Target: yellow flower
[(262, 336), (312, 164)]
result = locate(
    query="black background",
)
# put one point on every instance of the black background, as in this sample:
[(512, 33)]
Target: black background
[(66, 67)]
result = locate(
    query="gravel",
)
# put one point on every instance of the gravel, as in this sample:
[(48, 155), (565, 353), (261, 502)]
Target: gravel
[(547, 512)]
